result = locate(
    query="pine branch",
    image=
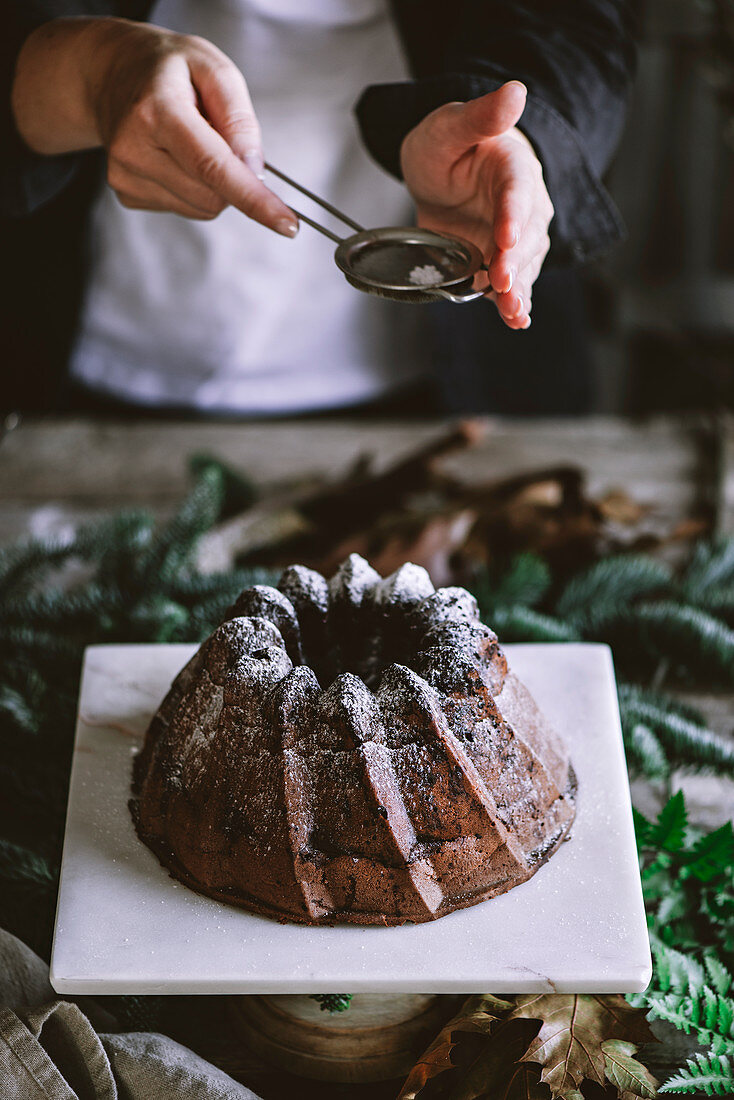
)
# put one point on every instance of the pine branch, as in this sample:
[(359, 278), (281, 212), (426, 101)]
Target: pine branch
[(333, 1002), (238, 492), (173, 548), (710, 572), (523, 624), (678, 730), (28, 558), (691, 637), (605, 591), (644, 751), (525, 583), (26, 869)]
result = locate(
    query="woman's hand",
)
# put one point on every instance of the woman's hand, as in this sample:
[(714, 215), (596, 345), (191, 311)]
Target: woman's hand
[(473, 174), (172, 111)]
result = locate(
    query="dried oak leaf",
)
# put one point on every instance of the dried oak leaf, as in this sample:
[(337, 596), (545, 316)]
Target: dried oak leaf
[(523, 1084), (574, 1030), (478, 1015)]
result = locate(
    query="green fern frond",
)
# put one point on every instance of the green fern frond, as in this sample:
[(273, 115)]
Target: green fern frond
[(721, 979), (709, 1074), (669, 831), (674, 972), (711, 854)]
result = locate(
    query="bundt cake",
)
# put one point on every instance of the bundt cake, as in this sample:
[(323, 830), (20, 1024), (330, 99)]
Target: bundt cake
[(356, 751)]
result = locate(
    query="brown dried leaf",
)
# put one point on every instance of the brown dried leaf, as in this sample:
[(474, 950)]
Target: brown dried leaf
[(477, 1015), (486, 1069), (574, 1027), (617, 506), (524, 1084)]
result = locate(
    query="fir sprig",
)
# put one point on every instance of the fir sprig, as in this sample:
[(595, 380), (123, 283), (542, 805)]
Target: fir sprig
[(333, 1002), (662, 733)]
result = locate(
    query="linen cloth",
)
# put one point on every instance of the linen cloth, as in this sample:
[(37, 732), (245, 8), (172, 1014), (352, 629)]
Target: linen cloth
[(50, 1050)]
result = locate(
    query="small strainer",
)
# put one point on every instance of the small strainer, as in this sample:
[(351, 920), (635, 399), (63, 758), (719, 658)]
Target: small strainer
[(402, 262)]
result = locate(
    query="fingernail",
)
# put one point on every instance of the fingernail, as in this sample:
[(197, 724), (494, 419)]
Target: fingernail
[(521, 307), (286, 227), (256, 164), (513, 276)]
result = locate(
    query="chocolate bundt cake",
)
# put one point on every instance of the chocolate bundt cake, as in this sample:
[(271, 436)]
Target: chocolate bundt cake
[(355, 750)]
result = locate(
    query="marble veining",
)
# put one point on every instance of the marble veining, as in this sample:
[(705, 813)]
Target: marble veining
[(124, 926)]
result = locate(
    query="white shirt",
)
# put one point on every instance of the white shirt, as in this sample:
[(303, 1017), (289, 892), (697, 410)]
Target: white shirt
[(226, 315)]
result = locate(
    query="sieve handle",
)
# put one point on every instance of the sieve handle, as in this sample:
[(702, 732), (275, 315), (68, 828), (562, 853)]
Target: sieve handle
[(469, 296), (320, 202)]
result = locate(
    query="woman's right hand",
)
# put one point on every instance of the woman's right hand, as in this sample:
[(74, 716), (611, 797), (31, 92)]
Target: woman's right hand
[(172, 111)]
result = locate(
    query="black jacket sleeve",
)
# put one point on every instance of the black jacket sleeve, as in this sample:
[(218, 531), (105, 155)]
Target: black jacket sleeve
[(27, 179), (576, 58)]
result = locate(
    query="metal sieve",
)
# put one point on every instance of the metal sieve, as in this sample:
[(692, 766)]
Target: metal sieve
[(405, 263)]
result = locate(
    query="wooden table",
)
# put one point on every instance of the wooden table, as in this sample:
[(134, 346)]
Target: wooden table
[(55, 472), (51, 470)]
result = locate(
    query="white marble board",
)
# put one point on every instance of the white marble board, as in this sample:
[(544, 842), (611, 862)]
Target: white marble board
[(124, 926)]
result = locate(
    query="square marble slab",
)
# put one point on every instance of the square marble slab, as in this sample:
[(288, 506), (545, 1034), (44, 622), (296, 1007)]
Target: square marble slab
[(124, 926)]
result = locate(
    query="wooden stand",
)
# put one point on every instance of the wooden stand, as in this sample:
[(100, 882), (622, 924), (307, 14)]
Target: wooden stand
[(378, 1038)]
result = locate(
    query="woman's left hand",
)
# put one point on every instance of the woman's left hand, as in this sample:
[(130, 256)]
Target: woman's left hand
[(472, 174)]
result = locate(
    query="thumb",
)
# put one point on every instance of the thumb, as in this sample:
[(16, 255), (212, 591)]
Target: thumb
[(226, 104), (492, 114)]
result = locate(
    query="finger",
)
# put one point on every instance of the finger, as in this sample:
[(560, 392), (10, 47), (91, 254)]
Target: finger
[(520, 320), (532, 247), (204, 155), (158, 168), (511, 306), (226, 103), (492, 114), (516, 306), (161, 201), (515, 199)]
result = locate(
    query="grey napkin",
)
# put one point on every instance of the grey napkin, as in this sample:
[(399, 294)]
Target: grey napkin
[(49, 1049)]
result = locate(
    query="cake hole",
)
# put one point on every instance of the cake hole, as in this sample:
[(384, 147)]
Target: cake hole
[(260, 654)]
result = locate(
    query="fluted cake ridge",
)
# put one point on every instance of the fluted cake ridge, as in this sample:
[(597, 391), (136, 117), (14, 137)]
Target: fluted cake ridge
[(352, 750)]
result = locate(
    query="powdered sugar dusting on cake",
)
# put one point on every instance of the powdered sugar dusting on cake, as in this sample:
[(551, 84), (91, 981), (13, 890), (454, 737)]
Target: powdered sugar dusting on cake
[(305, 586), (405, 587), (351, 581), (420, 788)]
